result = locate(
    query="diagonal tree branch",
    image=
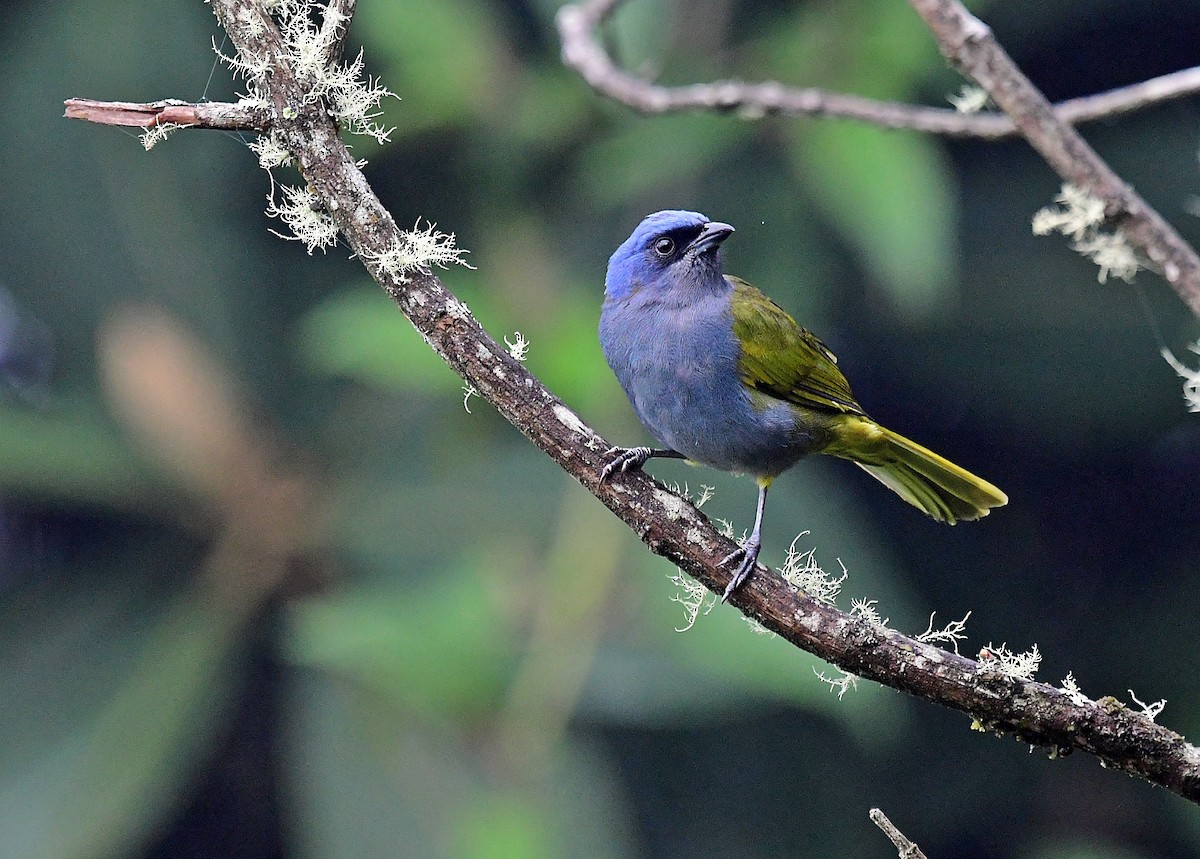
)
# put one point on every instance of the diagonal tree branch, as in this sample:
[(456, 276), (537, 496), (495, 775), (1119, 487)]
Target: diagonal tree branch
[(673, 528), (968, 44)]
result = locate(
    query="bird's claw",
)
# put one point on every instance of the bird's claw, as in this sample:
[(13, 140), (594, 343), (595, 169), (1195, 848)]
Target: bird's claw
[(749, 558), (626, 459)]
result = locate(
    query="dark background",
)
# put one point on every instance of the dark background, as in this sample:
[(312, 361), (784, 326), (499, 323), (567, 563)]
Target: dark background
[(457, 652)]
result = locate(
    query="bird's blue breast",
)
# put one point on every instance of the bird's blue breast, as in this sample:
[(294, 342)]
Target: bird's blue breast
[(678, 364)]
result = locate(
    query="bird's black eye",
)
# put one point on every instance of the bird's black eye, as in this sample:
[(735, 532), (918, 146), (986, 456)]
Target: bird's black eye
[(664, 247)]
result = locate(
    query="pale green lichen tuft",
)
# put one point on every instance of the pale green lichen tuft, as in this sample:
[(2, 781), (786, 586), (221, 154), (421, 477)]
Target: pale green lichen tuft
[(300, 209), (694, 597), (1191, 378), (1071, 688), (1112, 253), (841, 685), (352, 98), (868, 611), (518, 347), (756, 626), (1080, 216), (952, 633), (1077, 214), (419, 250), (1150, 711), (468, 392), (156, 134), (1000, 660), (802, 572), (271, 153), (969, 99)]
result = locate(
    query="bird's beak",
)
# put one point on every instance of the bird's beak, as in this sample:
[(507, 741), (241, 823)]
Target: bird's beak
[(710, 237)]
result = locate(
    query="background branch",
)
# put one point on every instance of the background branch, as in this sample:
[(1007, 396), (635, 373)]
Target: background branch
[(968, 44), (1034, 712), (583, 50), (904, 846)]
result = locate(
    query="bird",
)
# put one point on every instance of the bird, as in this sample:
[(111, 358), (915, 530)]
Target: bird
[(722, 376)]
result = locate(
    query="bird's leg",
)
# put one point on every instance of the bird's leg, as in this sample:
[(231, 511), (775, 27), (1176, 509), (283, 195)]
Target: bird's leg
[(633, 458), (748, 552)]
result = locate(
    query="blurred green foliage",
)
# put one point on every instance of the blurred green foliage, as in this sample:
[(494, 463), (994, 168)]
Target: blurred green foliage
[(465, 655)]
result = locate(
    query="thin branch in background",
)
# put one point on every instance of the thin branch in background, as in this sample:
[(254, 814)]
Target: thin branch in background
[(906, 848), (582, 50), (969, 45), (1035, 713), (971, 48)]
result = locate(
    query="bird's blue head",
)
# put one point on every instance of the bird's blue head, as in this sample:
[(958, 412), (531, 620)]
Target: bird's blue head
[(668, 250)]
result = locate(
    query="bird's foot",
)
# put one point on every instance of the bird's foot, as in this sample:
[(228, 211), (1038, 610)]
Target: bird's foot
[(748, 554), (625, 459)]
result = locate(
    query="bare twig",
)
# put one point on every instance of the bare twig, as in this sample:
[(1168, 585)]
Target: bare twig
[(669, 525), (582, 50), (208, 114), (907, 849)]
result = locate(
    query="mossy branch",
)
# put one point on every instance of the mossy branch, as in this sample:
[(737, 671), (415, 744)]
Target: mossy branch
[(1036, 713)]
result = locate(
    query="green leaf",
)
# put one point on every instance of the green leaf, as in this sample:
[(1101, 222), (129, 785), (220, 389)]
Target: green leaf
[(442, 57), (100, 739), (444, 648), (360, 335), (504, 825), (889, 195), (653, 153), (874, 48), (366, 781), (68, 455), (565, 353), (639, 31), (1066, 848)]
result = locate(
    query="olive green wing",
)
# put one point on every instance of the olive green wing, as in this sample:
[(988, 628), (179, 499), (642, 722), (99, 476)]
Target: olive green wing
[(784, 360)]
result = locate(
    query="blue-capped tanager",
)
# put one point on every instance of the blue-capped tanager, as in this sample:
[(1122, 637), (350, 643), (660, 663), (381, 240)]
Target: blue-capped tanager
[(723, 376)]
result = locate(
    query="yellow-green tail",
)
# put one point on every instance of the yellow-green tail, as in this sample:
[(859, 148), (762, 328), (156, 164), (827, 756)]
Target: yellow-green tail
[(925, 480)]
